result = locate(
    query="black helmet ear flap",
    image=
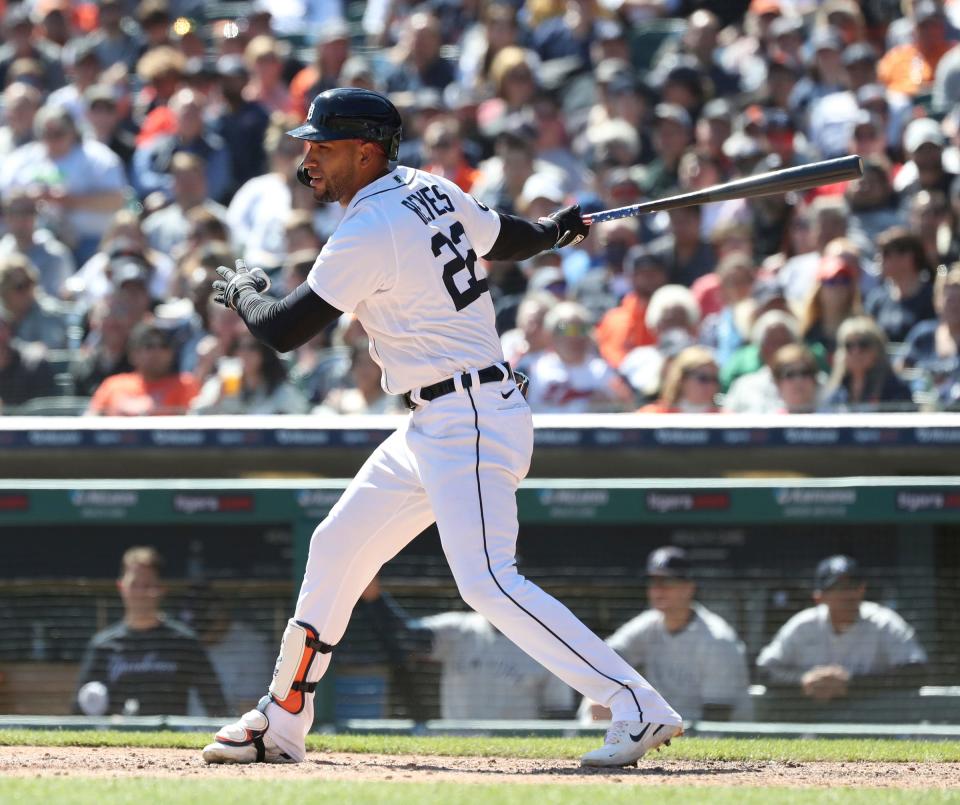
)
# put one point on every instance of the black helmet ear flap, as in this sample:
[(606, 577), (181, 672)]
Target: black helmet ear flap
[(302, 176)]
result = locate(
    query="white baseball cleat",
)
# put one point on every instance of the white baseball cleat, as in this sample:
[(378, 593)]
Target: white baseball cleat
[(245, 741), (628, 741)]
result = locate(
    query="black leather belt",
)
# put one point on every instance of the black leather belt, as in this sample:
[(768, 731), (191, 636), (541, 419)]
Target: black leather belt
[(491, 374)]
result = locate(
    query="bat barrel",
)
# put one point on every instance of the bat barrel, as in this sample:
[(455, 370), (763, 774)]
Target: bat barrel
[(802, 177)]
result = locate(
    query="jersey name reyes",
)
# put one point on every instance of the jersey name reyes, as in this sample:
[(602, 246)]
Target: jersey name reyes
[(429, 203)]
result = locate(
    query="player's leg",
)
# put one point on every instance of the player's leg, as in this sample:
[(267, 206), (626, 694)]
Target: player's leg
[(471, 476), (382, 509)]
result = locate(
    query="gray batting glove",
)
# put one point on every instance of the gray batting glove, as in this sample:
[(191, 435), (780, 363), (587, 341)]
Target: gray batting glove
[(227, 289)]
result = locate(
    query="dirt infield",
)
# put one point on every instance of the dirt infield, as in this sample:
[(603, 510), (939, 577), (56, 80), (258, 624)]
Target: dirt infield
[(28, 761)]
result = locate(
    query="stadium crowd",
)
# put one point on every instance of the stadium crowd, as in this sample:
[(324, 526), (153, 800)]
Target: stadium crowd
[(142, 145)]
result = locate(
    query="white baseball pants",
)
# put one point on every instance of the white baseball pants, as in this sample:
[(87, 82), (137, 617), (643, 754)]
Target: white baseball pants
[(458, 461)]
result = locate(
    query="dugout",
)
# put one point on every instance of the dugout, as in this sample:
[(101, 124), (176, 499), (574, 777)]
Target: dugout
[(754, 542)]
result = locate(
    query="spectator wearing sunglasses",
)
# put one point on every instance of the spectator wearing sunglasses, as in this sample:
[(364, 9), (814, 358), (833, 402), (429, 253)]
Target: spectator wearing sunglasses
[(796, 374), (863, 378), (154, 387), (33, 316), (834, 297), (690, 384), (906, 295)]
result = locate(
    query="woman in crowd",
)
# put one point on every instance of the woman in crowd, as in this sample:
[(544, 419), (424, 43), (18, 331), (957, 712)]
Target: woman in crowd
[(797, 375), (366, 395), (906, 295), (835, 296), (690, 385), (934, 342), (252, 382), (863, 378)]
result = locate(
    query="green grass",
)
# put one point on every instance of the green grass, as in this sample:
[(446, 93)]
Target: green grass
[(849, 750), (303, 792)]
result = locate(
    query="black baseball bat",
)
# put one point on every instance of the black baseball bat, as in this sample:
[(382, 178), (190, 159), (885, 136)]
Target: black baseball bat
[(803, 177)]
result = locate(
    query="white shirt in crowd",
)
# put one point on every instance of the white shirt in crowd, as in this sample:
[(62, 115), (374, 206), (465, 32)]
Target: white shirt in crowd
[(879, 640), (703, 663), (486, 676), (561, 388), (405, 260)]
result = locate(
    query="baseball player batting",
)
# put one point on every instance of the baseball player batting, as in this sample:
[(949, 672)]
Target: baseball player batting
[(404, 261)]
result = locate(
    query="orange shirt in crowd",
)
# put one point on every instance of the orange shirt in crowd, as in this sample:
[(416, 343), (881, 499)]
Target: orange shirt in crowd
[(304, 81), (906, 69), (622, 328), (129, 394), (464, 178)]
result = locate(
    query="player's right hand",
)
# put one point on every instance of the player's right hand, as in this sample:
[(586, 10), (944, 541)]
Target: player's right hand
[(571, 228), (227, 289)]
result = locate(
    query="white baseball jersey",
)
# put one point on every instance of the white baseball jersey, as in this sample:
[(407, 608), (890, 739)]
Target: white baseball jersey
[(405, 261), (877, 641), (486, 676), (703, 663), (562, 388)]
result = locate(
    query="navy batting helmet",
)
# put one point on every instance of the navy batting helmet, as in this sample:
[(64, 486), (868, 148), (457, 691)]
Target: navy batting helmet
[(351, 113)]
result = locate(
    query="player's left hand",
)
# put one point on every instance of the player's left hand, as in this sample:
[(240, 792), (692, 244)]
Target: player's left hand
[(571, 228), (226, 290)]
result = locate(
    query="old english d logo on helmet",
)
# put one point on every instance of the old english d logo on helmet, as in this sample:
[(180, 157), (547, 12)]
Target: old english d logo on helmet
[(351, 113)]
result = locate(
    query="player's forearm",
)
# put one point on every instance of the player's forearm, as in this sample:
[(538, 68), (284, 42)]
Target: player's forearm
[(520, 239), (287, 323)]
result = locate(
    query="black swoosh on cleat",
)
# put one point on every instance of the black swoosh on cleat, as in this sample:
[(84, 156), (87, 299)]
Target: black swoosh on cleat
[(638, 738), (507, 394)]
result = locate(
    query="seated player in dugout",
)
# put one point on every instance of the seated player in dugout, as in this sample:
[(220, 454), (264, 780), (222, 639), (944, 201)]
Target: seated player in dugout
[(147, 663), (688, 653), (844, 646), (404, 260)]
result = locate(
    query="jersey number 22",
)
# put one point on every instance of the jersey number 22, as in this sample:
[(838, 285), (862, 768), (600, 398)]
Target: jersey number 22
[(460, 273)]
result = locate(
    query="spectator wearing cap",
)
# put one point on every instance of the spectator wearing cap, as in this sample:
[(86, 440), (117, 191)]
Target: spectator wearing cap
[(683, 249), (860, 63), (825, 74), (155, 18), (873, 205), (104, 123), (751, 387), (624, 328), (570, 377), (844, 647), (416, 57), (720, 329), (104, 350), (934, 343), (700, 40), (682, 647), (25, 374), (672, 317), (672, 134), (691, 381), (868, 138), (834, 297), (167, 228), (34, 317), (445, 156), (116, 37), (862, 378), (22, 42), (83, 71), (20, 105), (923, 145), (152, 161), (713, 127), (258, 211), (240, 123), (81, 180), (123, 238), (53, 261), (828, 219), (909, 68), (330, 54), (154, 387), (905, 296)]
